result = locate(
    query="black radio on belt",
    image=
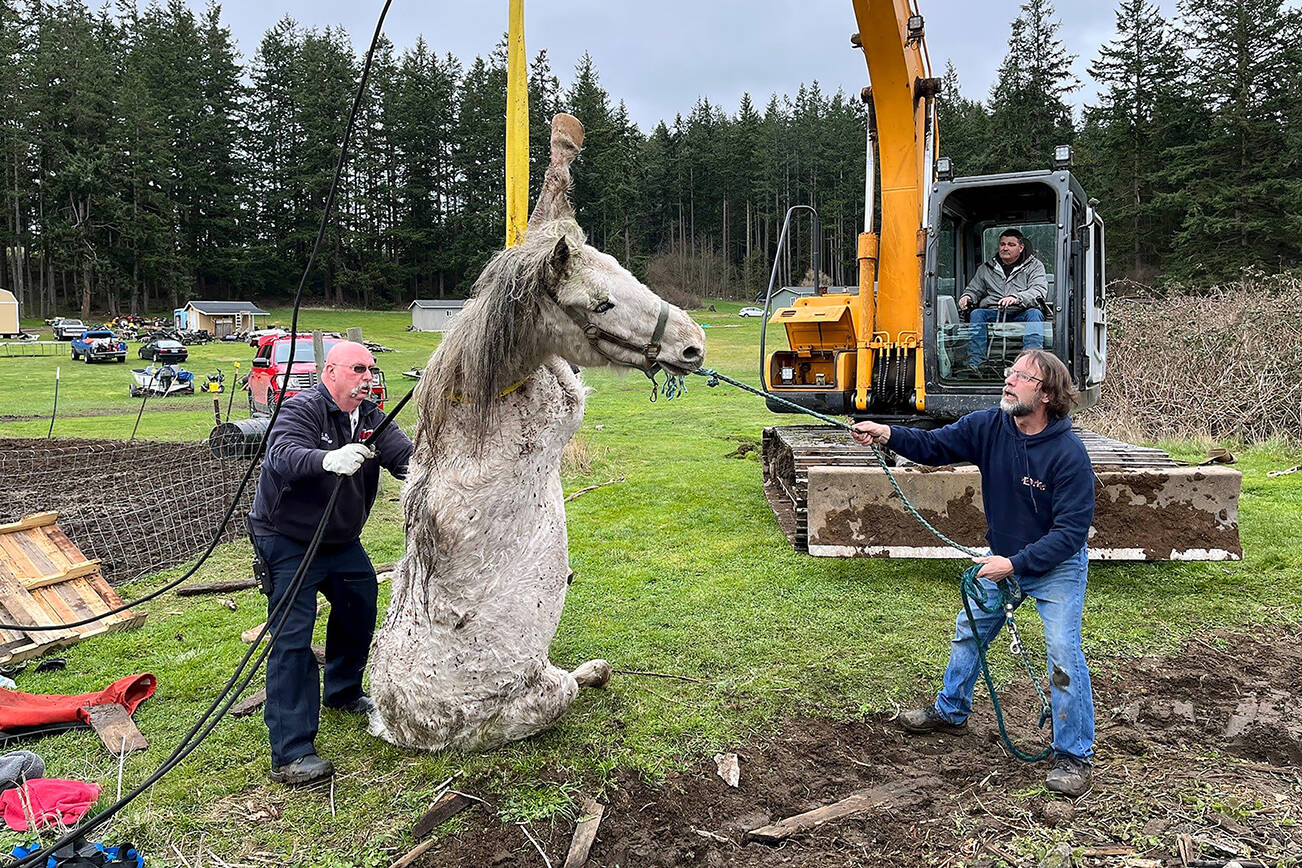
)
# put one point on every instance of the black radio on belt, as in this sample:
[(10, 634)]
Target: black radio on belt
[(261, 572)]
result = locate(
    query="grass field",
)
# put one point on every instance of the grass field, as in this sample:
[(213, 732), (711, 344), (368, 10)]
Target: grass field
[(680, 568)]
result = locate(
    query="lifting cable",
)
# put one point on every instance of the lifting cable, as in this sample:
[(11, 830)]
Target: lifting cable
[(244, 673), (970, 587)]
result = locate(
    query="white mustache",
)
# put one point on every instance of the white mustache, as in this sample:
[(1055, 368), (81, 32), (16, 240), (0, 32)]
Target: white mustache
[(357, 390)]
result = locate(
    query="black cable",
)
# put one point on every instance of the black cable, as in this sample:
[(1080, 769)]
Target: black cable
[(207, 722), (293, 345)]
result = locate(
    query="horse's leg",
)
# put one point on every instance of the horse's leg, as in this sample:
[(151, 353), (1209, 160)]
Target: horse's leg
[(594, 673)]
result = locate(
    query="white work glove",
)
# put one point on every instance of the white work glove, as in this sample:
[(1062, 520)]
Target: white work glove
[(347, 459)]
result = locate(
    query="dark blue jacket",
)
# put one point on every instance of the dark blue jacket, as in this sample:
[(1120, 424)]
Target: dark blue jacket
[(293, 489), (1038, 491)]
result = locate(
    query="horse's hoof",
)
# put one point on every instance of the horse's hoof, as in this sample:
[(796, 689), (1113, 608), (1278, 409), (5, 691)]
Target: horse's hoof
[(376, 727), (594, 673)]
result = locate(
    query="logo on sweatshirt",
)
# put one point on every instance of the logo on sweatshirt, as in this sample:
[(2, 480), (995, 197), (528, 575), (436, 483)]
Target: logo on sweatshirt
[(325, 438), (1034, 483)]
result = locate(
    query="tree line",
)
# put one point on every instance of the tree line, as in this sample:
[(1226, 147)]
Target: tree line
[(144, 165)]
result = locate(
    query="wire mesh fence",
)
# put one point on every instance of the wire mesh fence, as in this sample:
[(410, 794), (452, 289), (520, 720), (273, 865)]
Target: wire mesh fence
[(138, 506)]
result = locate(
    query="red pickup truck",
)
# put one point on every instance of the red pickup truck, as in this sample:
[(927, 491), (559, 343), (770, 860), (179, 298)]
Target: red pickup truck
[(270, 380)]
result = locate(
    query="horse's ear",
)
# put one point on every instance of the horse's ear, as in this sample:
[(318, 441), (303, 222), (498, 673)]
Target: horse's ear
[(553, 200), (558, 263)]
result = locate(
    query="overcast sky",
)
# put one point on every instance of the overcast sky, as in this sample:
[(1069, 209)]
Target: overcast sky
[(659, 57)]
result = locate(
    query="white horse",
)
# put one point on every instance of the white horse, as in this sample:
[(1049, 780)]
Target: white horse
[(461, 658)]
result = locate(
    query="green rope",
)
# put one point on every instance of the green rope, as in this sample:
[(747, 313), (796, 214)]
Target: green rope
[(970, 588)]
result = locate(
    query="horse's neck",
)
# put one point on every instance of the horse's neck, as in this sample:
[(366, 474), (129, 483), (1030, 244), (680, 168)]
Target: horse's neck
[(538, 413)]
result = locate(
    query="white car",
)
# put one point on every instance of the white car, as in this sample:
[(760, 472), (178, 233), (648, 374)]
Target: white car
[(751, 311)]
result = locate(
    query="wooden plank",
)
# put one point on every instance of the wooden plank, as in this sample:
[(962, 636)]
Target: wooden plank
[(585, 834), (40, 560), (52, 551), (36, 519), (78, 596), (60, 539), (22, 607), (76, 571), (447, 807), (115, 728), (249, 704), (216, 587), (19, 565), (889, 795)]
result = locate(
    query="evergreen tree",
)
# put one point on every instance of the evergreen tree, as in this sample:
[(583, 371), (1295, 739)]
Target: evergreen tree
[(1140, 98), (1230, 179), (1028, 110), (964, 127)]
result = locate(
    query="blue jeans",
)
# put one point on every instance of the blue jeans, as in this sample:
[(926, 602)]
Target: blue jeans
[(344, 575), (1060, 598), (1032, 336)]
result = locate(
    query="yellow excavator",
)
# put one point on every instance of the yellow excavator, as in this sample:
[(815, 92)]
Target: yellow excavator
[(897, 348)]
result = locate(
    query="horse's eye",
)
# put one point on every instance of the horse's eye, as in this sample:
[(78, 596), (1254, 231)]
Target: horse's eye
[(603, 307)]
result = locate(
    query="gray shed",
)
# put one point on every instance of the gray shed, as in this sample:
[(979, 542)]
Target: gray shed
[(787, 295), (435, 315)]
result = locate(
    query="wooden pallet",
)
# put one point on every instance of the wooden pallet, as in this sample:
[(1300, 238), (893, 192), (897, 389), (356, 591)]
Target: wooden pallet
[(45, 580)]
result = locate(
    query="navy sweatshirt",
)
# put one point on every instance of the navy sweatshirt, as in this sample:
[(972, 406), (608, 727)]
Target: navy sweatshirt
[(1038, 491), (293, 488)]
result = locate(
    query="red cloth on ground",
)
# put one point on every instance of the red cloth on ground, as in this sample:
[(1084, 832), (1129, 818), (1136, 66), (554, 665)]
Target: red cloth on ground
[(34, 709), (52, 801)]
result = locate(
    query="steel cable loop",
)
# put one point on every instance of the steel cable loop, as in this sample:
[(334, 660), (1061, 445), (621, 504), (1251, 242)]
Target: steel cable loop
[(970, 588)]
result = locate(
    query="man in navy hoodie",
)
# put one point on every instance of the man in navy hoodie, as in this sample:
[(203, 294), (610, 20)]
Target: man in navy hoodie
[(1037, 486), (315, 443)]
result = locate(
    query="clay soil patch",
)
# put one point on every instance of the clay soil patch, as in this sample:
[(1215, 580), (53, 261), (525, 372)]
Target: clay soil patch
[(1197, 754)]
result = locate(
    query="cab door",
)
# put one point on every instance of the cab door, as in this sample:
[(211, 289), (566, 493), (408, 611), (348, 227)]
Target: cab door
[(1095, 308)]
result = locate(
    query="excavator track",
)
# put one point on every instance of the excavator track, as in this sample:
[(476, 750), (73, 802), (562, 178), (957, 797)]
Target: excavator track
[(832, 499)]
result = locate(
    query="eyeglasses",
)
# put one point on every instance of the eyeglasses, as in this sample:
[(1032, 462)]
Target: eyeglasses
[(359, 369), (1021, 375)]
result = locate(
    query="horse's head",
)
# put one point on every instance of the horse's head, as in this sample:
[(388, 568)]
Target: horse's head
[(603, 315), (613, 318), (553, 294)]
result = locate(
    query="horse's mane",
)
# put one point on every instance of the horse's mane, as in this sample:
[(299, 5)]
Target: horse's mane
[(496, 335)]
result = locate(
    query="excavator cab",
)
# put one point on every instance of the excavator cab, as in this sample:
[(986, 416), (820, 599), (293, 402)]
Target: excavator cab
[(967, 351)]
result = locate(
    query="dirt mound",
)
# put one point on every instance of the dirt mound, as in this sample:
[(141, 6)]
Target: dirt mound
[(1199, 752)]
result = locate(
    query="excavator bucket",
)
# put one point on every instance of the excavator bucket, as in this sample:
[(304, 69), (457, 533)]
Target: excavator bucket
[(832, 498)]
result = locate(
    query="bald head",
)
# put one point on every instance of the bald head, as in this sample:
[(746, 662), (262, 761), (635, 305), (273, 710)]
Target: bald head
[(347, 375)]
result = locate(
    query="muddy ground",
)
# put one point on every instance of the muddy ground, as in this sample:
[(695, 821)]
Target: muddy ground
[(1197, 762)]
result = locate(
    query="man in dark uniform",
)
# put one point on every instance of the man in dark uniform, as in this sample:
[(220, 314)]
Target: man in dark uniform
[(313, 444), (1037, 486)]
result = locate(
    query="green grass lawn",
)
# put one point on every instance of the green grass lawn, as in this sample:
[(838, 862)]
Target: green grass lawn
[(680, 568)]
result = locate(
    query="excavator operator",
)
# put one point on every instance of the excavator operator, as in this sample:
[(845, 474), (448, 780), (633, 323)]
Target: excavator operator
[(1011, 287)]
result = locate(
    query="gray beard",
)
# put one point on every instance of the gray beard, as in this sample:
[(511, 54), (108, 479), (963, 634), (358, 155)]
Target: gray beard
[(1016, 409)]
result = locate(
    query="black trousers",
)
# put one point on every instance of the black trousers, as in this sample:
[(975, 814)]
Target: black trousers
[(345, 576)]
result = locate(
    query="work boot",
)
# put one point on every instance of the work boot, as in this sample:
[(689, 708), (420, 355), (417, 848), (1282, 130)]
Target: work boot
[(307, 769), (1069, 776), (362, 705), (922, 721)]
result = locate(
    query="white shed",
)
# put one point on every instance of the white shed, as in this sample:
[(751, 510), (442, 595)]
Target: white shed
[(436, 315), (8, 314)]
